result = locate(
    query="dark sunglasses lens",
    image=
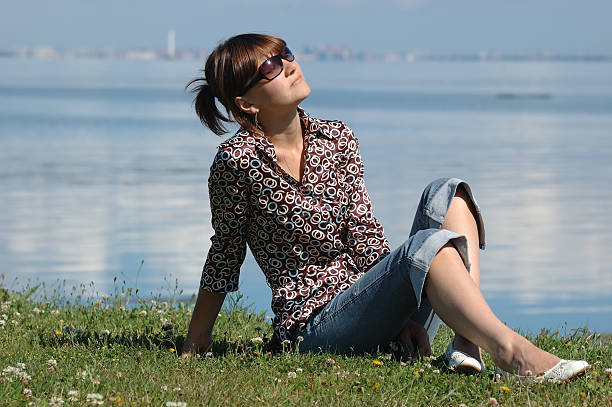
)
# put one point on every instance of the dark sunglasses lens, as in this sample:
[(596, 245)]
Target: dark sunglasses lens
[(288, 55), (271, 67)]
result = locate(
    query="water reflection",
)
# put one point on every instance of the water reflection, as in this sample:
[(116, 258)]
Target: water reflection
[(93, 182)]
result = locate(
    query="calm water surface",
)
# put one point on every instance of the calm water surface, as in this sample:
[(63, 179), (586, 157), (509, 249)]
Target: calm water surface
[(104, 165)]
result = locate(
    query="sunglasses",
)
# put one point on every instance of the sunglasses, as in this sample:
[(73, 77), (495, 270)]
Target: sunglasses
[(271, 67)]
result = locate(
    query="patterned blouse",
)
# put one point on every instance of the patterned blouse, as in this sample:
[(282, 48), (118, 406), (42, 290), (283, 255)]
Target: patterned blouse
[(313, 239)]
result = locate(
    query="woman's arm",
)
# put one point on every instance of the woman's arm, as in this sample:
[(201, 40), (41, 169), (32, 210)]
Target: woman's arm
[(199, 336)]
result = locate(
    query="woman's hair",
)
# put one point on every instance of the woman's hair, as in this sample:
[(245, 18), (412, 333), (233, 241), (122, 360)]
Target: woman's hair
[(228, 70)]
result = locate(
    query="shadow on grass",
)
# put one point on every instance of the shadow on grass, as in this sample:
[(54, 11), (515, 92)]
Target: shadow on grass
[(148, 339)]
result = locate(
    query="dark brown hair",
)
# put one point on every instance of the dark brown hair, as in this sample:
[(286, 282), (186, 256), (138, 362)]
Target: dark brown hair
[(228, 70)]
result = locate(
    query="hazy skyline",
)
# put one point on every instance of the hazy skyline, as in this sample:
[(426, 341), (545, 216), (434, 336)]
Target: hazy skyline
[(443, 26)]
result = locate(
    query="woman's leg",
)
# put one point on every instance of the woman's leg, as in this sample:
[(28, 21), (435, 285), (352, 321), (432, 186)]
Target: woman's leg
[(460, 218), (447, 203), (458, 301)]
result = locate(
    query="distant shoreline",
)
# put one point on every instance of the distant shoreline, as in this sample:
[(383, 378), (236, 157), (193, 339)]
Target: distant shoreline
[(329, 53)]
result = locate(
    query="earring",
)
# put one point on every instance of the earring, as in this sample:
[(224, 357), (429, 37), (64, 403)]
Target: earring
[(257, 122)]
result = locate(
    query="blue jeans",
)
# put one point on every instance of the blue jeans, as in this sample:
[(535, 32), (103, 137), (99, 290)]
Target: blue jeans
[(373, 311)]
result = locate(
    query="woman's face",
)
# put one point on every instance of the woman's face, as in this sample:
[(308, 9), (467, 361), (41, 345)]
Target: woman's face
[(287, 90)]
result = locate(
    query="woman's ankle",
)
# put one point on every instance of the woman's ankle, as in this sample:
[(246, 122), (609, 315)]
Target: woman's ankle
[(523, 358)]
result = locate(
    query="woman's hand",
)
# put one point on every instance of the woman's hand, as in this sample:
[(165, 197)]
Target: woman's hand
[(199, 335), (191, 346), (415, 340)]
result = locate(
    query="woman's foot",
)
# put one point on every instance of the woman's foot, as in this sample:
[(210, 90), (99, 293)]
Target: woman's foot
[(463, 345), (523, 358)]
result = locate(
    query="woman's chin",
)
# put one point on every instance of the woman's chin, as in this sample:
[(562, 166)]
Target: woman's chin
[(304, 93)]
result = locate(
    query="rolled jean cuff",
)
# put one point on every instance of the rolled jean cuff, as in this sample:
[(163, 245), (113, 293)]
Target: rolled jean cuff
[(433, 241), (436, 200)]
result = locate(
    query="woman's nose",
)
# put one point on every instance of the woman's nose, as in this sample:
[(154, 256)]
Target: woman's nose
[(289, 67)]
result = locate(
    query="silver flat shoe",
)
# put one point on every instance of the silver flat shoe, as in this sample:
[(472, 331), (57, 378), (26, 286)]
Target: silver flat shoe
[(462, 362), (562, 372)]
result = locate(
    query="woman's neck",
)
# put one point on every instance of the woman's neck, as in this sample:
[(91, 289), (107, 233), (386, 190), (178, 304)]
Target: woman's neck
[(284, 131)]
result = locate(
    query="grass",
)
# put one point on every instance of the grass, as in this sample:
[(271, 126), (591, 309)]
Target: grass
[(73, 349)]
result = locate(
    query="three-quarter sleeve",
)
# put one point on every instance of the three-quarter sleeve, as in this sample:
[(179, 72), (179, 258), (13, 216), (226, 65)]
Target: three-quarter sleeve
[(365, 237), (228, 195)]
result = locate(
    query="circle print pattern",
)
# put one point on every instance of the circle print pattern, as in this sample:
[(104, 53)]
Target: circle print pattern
[(312, 239)]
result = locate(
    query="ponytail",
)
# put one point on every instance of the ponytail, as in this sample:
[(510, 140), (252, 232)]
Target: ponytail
[(206, 108)]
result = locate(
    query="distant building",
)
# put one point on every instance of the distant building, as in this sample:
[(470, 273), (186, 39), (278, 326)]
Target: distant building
[(171, 44)]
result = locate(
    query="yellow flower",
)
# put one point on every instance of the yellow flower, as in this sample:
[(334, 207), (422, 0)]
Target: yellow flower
[(58, 333), (582, 394), (595, 373), (415, 373), (377, 362), (505, 388), (172, 350), (569, 343), (376, 385), (97, 303), (118, 373), (118, 399)]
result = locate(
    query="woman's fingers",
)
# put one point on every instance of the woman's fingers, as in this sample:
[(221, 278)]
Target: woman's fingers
[(422, 343)]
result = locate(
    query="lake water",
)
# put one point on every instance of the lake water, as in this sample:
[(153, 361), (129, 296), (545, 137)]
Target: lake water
[(104, 164)]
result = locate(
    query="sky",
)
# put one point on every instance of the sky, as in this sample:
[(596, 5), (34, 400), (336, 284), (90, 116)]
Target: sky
[(439, 26)]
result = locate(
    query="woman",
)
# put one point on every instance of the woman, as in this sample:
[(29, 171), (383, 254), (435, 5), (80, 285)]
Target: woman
[(291, 187)]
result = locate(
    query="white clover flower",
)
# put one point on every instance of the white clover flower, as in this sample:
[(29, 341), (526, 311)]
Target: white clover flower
[(51, 364), (36, 311), (286, 342), (95, 398), (81, 374), (27, 393), (176, 404), (14, 322), (4, 317), (142, 314), (95, 382), (164, 387), (2, 323), (73, 395), (106, 332), (56, 401), (257, 339), (300, 338), (54, 311), (5, 306), (292, 375), (299, 370), (176, 389), (16, 314), (11, 372)]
